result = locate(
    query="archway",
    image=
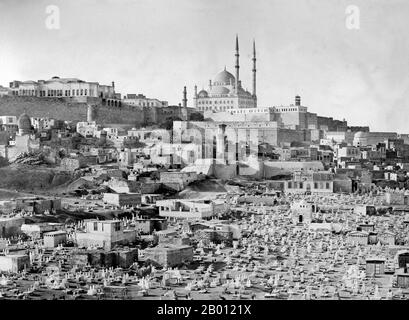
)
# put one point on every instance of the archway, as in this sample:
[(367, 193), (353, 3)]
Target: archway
[(300, 218)]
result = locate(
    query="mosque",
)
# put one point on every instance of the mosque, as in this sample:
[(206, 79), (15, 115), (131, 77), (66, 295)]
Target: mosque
[(225, 92), (226, 101)]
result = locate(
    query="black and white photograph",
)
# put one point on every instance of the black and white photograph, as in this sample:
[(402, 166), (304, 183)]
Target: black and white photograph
[(183, 150)]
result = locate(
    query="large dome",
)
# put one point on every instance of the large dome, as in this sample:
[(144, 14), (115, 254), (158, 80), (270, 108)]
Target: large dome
[(223, 78), (24, 122)]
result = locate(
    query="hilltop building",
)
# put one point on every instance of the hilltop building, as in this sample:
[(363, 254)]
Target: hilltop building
[(74, 88), (142, 101), (225, 92)]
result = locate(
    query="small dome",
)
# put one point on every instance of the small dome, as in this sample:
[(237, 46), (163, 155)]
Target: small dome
[(224, 78), (220, 90), (24, 123), (360, 134), (203, 94)]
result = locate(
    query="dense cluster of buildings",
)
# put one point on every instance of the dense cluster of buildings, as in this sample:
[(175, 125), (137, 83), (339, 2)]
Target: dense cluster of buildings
[(223, 199)]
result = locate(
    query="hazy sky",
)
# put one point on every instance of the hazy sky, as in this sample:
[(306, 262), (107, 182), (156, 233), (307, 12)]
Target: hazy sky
[(155, 47)]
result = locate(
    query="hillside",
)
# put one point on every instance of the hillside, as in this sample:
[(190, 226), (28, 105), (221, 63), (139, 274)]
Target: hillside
[(30, 179)]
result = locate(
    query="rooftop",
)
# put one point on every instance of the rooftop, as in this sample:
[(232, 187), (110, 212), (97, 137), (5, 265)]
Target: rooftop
[(55, 233)]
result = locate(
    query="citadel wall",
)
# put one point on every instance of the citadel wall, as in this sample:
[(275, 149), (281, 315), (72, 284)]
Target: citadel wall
[(60, 109)]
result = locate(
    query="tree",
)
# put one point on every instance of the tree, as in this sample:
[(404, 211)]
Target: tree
[(133, 143)]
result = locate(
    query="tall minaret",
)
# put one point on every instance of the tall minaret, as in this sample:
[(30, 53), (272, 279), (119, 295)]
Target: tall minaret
[(195, 97), (237, 63), (254, 73), (184, 97)]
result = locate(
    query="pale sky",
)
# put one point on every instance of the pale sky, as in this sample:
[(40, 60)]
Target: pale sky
[(157, 47)]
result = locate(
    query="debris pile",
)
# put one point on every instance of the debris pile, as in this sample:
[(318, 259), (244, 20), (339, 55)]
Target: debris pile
[(30, 158)]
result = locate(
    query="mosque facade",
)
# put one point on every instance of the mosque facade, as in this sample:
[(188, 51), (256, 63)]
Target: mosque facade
[(226, 92)]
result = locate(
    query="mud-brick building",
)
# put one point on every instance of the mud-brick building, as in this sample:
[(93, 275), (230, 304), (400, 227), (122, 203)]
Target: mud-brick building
[(14, 263), (170, 255), (123, 257), (104, 234), (10, 226)]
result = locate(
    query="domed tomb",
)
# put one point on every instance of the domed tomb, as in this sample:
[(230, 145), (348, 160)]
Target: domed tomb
[(24, 124)]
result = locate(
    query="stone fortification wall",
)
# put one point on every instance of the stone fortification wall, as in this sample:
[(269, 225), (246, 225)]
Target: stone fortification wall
[(58, 108)]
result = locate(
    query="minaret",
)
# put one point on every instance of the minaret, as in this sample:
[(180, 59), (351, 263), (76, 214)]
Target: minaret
[(237, 63), (184, 97), (195, 97), (254, 73), (297, 100)]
